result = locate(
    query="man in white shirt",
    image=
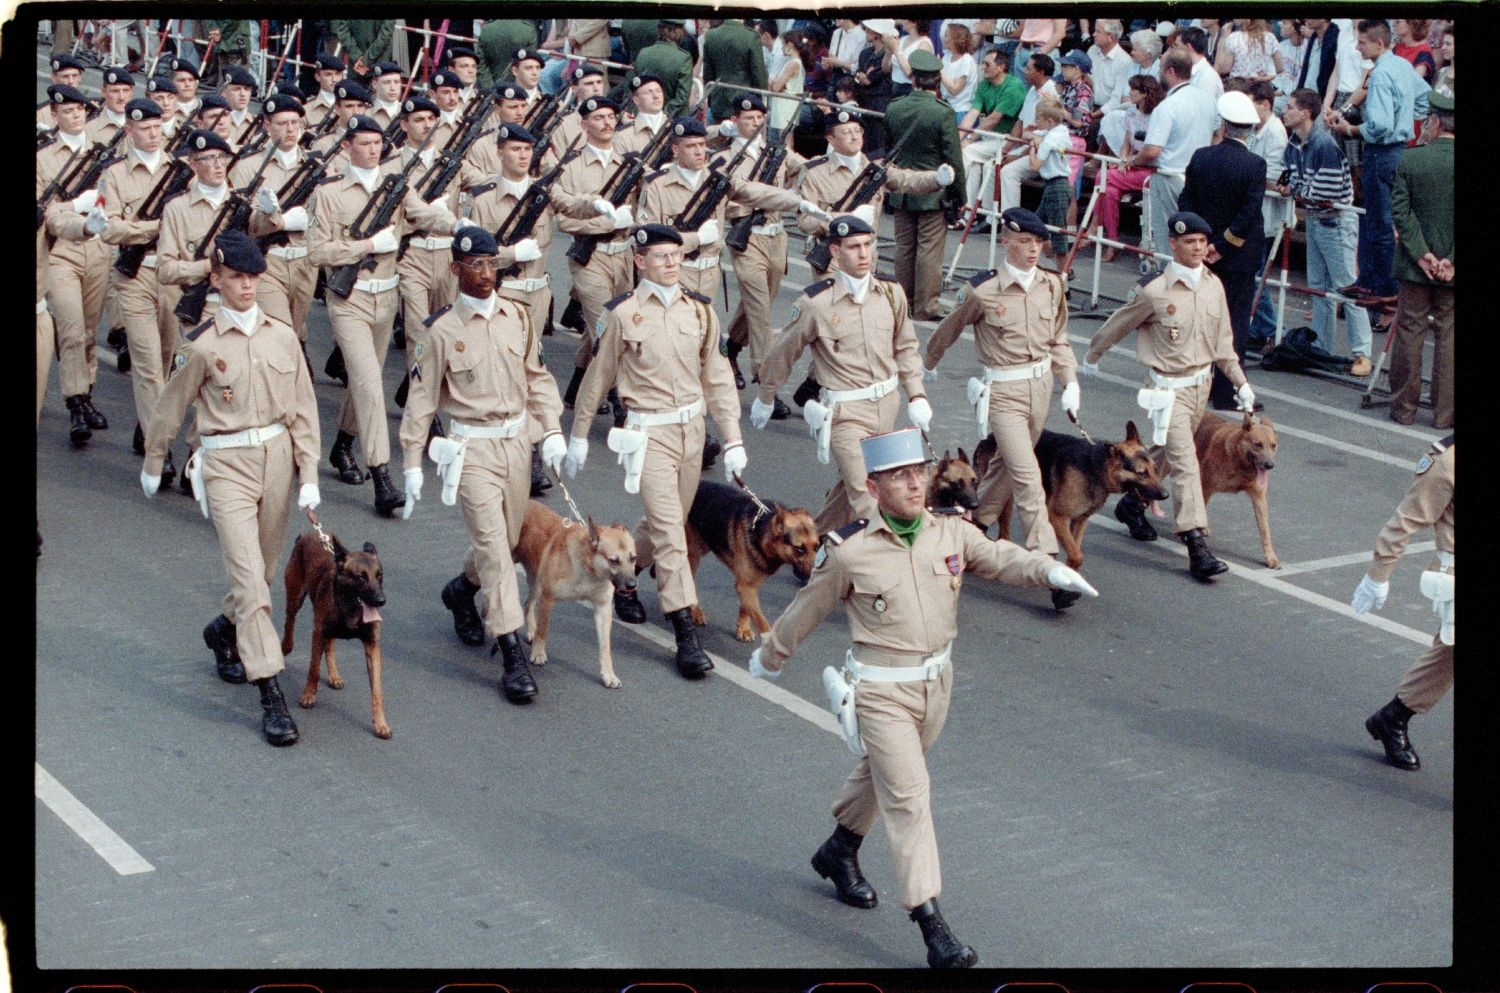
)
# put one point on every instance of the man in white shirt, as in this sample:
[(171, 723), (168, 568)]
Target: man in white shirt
[(1112, 64), (1017, 168), (1269, 142), (1182, 123)]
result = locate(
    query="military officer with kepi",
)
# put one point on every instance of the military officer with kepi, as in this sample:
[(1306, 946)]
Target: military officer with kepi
[(258, 419), (1020, 318), (1429, 503), (1183, 331), (660, 348), (898, 575), (479, 361)]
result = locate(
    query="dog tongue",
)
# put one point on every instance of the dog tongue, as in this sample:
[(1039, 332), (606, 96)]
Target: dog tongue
[(1156, 510), (1260, 478), (368, 614)]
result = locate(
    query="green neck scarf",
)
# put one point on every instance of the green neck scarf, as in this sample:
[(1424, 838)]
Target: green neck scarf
[(905, 530)]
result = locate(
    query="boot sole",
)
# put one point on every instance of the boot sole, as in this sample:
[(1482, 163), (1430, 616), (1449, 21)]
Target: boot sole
[(518, 698), (846, 900), (282, 740)]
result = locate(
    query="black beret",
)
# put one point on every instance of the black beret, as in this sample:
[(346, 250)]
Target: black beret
[(655, 234), (458, 52), (474, 241), (522, 54), (597, 103), (445, 77), (327, 60), (212, 101), (514, 132), (185, 65), (115, 74), (239, 76), (286, 89), (1022, 220), (160, 84), (834, 118), (688, 127), (282, 102), (362, 123), (636, 82), (141, 110), (749, 101), (510, 91), (847, 225), (585, 71), (348, 89), (385, 69), (64, 60), (203, 140), (237, 250), (416, 103), (1187, 222), (58, 93)]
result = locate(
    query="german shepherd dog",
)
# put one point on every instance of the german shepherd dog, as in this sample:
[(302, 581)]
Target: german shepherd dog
[(565, 560), (1079, 477), (725, 521), (346, 588), (952, 482), (1237, 457)]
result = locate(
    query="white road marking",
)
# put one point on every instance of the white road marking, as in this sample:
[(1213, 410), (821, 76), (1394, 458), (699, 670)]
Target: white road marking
[(1336, 561), (86, 824)]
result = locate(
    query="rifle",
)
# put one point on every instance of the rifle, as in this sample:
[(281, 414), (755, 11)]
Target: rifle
[(543, 111), (295, 192), (375, 215), (860, 192), (324, 129), (545, 124), (704, 203), (435, 180), (767, 164), (174, 179), (56, 186), (393, 137), (233, 216), (522, 221), (619, 187), (83, 174), (258, 123)]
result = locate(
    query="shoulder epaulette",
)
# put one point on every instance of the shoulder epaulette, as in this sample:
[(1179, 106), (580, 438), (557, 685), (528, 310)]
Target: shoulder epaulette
[(814, 163), (1439, 447), (478, 191), (652, 177), (43, 103), (330, 179), (436, 314), (883, 279), (571, 156), (945, 511), (1149, 277), (48, 143), (174, 196), (619, 300), (980, 277), (694, 295), (193, 334), (818, 287), (848, 531)]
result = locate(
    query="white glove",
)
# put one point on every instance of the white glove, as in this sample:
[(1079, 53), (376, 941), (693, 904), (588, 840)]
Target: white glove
[(708, 234), (265, 201), (96, 221), (760, 414), (85, 201), (308, 497), (384, 242), (865, 213), (1246, 397), (1369, 595), (813, 210), (1070, 399), (729, 129), (758, 671), (461, 223), (1088, 369), (623, 218), (294, 219), (735, 461), (604, 208), (928, 375), (413, 492), (553, 451), (1063, 578), (919, 412), (527, 250), (945, 174), (150, 483), (578, 454)]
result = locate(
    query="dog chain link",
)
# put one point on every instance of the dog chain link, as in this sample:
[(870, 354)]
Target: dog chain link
[(322, 535), (761, 509), (567, 496), (1077, 424)]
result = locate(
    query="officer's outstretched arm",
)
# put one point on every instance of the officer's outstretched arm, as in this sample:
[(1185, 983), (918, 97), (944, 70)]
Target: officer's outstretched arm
[(813, 603)]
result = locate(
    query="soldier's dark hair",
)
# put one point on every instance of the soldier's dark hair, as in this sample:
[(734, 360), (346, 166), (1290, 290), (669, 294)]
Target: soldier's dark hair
[(1196, 39)]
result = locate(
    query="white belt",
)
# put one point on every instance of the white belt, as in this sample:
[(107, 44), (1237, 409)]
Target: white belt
[(526, 285), (819, 413), (149, 261), (614, 247), (242, 439), (41, 306), (880, 389), (703, 262), (287, 252), (1445, 561), (978, 389), (508, 428), (770, 230), (931, 668), (1157, 400), (679, 416), (378, 285), (431, 244), (1181, 382)]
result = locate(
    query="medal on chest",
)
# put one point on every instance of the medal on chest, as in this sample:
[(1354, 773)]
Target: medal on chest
[(638, 319), (1173, 332)]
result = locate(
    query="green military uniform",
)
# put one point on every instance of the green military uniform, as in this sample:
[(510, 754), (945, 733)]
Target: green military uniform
[(499, 40), (731, 54), (369, 40), (638, 35), (234, 36), (668, 60)]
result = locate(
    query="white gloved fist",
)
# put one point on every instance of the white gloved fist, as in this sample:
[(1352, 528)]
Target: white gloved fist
[(85, 201), (735, 461), (265, 201), (623, 218), (919, 412), (413, 492), (760, 413), (295, 219), (384, 242), (527, 250), (150, 483), (554, 449), (1088, 369), (461, 223), (708, 234), (577, 455), (729, 129), (97, 220), (1070, 399), (604, 208), (1369, 595), (308, 497), (866, 213), (1064, 578), (945, 174), (758, 671), (813, 210), (1246, 396)]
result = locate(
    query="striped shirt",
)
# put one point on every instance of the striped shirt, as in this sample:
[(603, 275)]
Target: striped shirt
[(1318, 172)]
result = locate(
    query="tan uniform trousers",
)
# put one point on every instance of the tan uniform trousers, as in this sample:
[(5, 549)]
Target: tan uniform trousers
[(1181, 458), (286, 291), (1414, 302), (705, 281), (669, 482), (77, 296), (603, 279), (1428, 679), (362, 330), (852, 423), (427, 284), (150, 348), (493, 492), (1018, 413), (45, 335), (758, 271), (920, 236), (536, 303), (898, 722), (250, 498)]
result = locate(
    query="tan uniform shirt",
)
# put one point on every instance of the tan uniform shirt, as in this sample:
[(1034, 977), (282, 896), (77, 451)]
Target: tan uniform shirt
[(582, 179), (276, 176), (63, 224), (661, 358), (898, 599), (637, 134), (385, 115), (825, 180), (665, 195), (479, 371), (569, 128), (1012, 326), (101, 129), (45, 118), (589, 37), (786, 174), (493, 204), (854, 345), (125, 185), (1429, 503), (1181, 330), (337, 203), (317, 110), (184, 223)]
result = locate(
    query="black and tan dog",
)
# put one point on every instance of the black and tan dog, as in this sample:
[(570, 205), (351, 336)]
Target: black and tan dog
[(725, 521), (1079, 477), (952, 482), (346, 588)]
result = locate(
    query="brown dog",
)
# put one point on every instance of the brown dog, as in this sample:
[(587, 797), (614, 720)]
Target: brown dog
[(1237, 457), (565, 560), (753, 544), (952, 482), (1079, 477), (345, 588)]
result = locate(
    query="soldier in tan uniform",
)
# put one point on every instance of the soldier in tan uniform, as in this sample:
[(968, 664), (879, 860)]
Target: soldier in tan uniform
[(328, 74), (425, 262), (79, 268), (526, 73), (443, 90), (588, 82), (480, 362), (1020, 318), (286, 289), (482, 162), (1182, 325), (185, 78), (213, 115), (239, 92), (185, 222), (67, 70), (353, 99), (898, 575), (650, 97), (660, 347), (244, 372), (1428, 503), (386, 86), (863, 346), (362, 323), (117, 89), (463, 65), (161, 91)]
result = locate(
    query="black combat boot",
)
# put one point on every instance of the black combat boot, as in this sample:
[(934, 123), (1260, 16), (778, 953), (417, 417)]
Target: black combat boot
[(1130, 512), (343, 462), (117, 340), (219, 636), (79, 431), (1063, 599), (516, 684), (692, 660), (571, 393), (838, 860), (1201, 561), (183, 482), (539, 482), (458, 597), (711, 450), (168, 469), (96, 420), (734, 363), (572, 317), (779, 410), (1388, 726), (275, 723), (138, 441), (807, 391), (943, 950), (628, 606), (388, 499)]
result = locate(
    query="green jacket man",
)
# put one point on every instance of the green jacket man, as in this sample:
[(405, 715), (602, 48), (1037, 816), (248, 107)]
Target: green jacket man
[(667, 60), (934, 142), (731, 54), (498, 42)]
